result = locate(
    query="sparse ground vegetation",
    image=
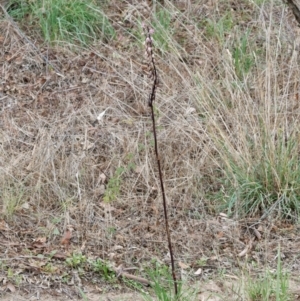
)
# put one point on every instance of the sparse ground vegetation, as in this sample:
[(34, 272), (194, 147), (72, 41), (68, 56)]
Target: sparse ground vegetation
[(76, 149)]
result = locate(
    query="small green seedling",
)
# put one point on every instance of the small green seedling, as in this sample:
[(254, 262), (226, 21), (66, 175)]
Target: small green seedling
[(103, 268), (76, 260)]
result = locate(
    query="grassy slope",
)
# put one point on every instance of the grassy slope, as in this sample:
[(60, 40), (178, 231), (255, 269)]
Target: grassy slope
[(228, 130)]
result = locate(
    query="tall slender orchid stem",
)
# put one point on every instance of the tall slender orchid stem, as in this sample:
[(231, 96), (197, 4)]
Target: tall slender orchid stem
[(153, 75)]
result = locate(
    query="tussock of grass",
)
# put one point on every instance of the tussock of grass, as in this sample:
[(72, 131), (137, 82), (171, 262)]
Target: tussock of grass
[(74, 21)]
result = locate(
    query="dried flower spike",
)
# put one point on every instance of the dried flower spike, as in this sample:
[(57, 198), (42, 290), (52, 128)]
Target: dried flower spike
[(150, 61)]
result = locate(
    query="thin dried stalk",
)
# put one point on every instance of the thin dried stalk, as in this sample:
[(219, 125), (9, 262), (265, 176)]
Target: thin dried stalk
[(153, 75)]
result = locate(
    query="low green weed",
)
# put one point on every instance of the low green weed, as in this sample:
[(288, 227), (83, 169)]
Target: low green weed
[(49, 268), (76, 260), (219, 29), (113, 187), (12, 197), (162, 285), (102, 267), (14, 276)]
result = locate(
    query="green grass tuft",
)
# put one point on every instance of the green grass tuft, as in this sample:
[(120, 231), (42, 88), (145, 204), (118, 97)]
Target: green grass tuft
[(269, 181), (75, 21), (270, 286)]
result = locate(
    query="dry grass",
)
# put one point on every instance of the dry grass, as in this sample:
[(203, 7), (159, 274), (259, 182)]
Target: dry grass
[(219, 115)]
